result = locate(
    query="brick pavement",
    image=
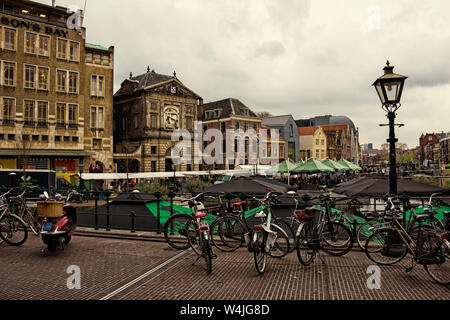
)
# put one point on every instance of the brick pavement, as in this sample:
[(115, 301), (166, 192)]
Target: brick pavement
[(29, 272)]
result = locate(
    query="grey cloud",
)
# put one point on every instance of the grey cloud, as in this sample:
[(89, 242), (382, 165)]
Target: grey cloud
[(270, 49), (304, 58)]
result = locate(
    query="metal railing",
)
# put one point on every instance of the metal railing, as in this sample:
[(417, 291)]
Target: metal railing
[(105, 210)]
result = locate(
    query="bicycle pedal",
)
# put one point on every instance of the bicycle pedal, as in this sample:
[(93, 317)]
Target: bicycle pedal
[(214, 256), (409, 269)]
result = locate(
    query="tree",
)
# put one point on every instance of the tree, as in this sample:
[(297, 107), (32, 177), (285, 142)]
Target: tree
[(23, 147), (263, 114)]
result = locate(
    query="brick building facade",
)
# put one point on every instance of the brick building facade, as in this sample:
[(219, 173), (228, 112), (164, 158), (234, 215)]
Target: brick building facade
[(50, 116)]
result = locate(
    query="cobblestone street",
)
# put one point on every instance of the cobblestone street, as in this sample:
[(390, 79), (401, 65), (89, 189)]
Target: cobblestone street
[(144, 270)]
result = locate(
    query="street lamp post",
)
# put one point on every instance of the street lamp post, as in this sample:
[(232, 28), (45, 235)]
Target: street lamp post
[(389, 88)]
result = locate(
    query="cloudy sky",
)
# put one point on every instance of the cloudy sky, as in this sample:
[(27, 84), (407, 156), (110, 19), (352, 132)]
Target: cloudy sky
[(299, 57)]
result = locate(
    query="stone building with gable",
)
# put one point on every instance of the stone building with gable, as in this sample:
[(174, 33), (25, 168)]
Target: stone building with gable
[(147, 110)]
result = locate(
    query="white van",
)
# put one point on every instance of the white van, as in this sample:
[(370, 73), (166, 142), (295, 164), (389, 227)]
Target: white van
[(233, 175)]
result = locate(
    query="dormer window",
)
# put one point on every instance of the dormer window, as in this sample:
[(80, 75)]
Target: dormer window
[(244, 112)]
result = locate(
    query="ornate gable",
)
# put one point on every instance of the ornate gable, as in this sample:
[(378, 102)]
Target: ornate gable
[(173, 88)]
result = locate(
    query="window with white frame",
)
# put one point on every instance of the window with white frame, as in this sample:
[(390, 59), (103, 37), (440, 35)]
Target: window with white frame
[(29, 106), (30, 42), (67, 81), (9, 39), (73, 115), (73, 82), (42, 112), (60, 114), (61, 49), (44, 45), (67, 114), (36, 77), (74, 51), (9, 73), (97, 85), (43, 78), (8, 105), (97, 117), (105, 60), (30, 76), (61, 79)]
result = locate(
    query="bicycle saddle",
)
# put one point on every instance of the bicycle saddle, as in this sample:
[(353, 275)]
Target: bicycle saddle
[(201, 215), (237, 204), (312, 209), (421, 216)]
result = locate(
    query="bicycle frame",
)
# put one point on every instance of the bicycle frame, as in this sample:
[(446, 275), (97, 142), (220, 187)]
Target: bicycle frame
[(413, 247)]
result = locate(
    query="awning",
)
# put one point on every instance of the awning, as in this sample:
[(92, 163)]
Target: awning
[(148, 175), (46, 152)]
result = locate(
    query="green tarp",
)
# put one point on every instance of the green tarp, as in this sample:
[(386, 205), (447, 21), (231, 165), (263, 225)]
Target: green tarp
[(312, 166), (164, 211), (334, 164), (282, 167), (349, 165), (359, 220)]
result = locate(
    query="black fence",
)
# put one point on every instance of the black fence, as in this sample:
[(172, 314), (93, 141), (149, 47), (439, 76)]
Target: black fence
[(135, 211)]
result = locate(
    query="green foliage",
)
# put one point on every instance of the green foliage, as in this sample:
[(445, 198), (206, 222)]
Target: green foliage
[(447, 183), (152, 186), (427, 180), (195, 185)]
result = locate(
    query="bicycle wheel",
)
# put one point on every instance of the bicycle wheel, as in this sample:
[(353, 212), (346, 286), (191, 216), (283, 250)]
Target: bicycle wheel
[(33, 223), (367, 229), (436, 226), (385, 247), (259, 253), (436, 262), (306, 250), (227, 233), (281, 245), (175, 231), (13, 230), (283, 224), (207, 254), (433, 222), (338, 238), (193, 236)]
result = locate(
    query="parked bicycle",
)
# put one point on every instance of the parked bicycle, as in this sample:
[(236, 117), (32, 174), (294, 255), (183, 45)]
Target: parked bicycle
[(229, 230), (393, 209), (263, 238), (318, 231), (174, 228), (429, 247), (198, 233), (13, 229), (29, 217)]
